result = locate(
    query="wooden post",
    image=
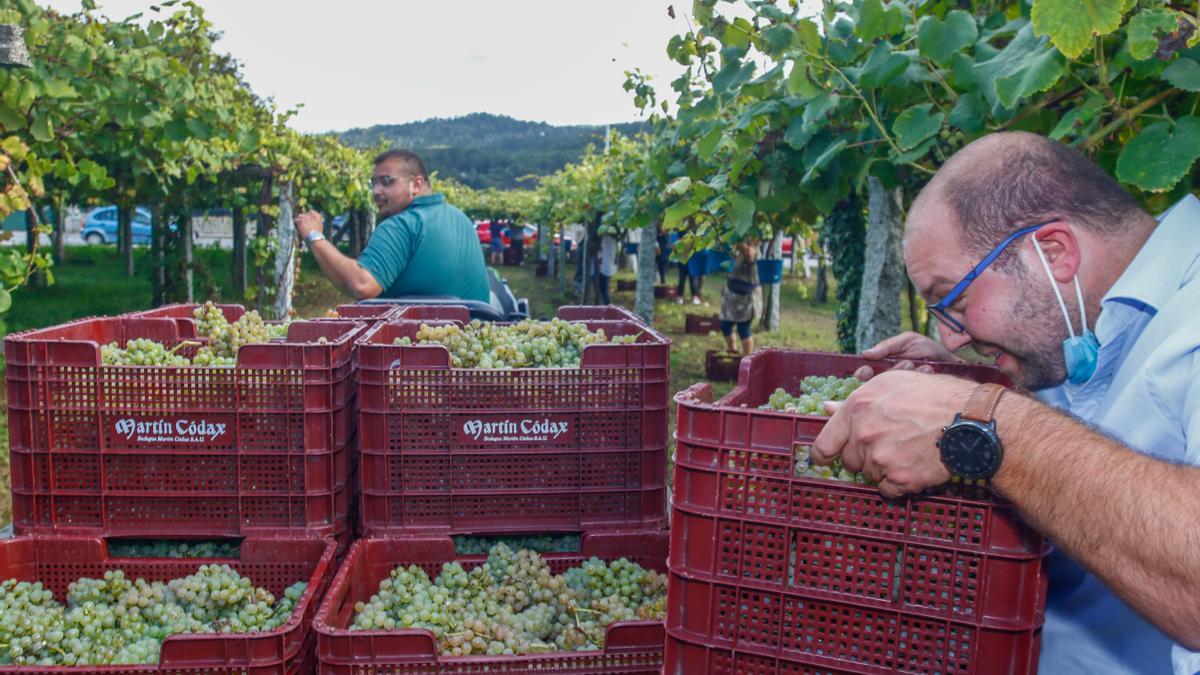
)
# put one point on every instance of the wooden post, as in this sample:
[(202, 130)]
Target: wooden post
[(239, 250), (185, 243), (883, 266), (158, 272), (285, 258), (355, 218), (60, 230), (775, 252), (647, 271), (125, 235)]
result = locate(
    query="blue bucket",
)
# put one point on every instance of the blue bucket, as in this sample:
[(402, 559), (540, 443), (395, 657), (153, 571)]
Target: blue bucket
[(770, 271), (698, 264), (631, 248), (718, 261)]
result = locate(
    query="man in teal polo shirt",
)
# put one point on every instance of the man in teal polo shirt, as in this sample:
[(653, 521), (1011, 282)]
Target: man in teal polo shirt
[(422, 246)]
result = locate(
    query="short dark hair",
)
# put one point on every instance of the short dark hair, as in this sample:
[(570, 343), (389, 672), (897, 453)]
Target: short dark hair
[(1025, 179), (409, 160)]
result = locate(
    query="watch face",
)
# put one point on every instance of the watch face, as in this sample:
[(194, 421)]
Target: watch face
[(970, 450)]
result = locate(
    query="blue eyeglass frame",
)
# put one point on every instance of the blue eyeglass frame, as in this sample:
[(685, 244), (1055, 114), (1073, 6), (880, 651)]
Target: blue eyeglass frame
[(939, 310)]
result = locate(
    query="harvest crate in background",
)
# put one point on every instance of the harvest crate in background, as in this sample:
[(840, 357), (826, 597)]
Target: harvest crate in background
[(774, 572), (271, 563), (630, 647), (260, 449), (472, 451)]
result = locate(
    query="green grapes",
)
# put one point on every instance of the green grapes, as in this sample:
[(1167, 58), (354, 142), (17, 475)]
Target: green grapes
[(224, 340), (542, 543), (514, 603), (527, 344), (116, 620), (163, 548), (814, 392)]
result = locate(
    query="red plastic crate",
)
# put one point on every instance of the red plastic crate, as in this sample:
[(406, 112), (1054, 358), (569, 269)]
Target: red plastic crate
[(630, 647), (463, 451), (721, 366), (272, 563), (696, 324), (775, 573), (261, 449), (598, 313), (369, 314)]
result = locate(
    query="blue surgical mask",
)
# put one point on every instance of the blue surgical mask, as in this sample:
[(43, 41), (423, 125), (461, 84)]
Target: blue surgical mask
[(1080, 352)]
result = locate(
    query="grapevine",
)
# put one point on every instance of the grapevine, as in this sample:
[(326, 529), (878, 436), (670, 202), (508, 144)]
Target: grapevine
[(118, 620), (514, 604), (528, 344)]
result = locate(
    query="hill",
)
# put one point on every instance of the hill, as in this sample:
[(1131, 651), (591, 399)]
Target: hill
[(484, 150)]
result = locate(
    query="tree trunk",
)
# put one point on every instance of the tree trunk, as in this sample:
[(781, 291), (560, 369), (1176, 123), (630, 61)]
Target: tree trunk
[(845, 239), (189, 259), (796, 257), (158, 271), (912, 305), (239, 251), (822, 281), (36, 280), (285, 258), (125, 236), (772, 318), (60, 230), (883, 266), (647, 271)]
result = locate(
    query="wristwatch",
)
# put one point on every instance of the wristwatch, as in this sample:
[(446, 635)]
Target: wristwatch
[(969, 445), (313, 237)]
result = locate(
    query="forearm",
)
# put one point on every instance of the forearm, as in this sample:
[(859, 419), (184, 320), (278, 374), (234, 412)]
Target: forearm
[(343, 270), (1128, 518)]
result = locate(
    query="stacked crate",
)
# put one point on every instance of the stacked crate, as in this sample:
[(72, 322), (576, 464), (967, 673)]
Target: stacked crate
[(448, 451), (260, 451), (774, 572)]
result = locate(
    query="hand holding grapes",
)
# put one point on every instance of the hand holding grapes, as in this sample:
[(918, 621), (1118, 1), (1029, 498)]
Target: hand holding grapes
[(888, 428)]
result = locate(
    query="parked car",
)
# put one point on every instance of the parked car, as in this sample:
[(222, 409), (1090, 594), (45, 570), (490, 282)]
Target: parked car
[(100, 227), (484, 231)]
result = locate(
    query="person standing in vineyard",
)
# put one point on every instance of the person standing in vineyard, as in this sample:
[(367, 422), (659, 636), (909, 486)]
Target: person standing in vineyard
[(422, 246), (496, 245), (741, 299), (1031, 253)]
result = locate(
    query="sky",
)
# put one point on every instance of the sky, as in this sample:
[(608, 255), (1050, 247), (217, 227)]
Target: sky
[(356, 63)]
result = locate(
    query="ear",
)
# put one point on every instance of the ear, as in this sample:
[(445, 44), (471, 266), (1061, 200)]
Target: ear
[(1061, 247)]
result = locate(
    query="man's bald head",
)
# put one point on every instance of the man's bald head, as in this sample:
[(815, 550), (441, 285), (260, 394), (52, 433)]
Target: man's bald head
[(1005, 181)]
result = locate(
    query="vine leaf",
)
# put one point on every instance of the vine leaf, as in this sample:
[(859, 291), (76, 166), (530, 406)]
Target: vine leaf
[(1183, 73), (1146, 28), (968, 113), (916, 124), (882, 66), (1072, 24), (743, 212), (1026, 66), (1156, 159), (939, 40), (876, 21)]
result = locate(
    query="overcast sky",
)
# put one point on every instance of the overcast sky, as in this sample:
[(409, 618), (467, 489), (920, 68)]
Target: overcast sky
[(361, 62)]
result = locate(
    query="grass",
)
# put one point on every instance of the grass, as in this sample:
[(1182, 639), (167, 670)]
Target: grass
[(91, 281)]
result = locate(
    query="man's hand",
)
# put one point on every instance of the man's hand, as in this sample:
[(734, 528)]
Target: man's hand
[(889, 429), (906, 346), (309, 221)]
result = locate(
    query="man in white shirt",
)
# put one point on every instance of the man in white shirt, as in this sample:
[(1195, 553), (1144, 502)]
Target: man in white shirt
[(1031, 253)]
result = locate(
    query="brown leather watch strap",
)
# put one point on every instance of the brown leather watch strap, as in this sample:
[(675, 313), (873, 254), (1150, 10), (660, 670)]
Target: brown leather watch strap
[(981, 406)]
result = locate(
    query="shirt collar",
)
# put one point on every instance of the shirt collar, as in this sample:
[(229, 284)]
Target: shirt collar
[(426, 200), (1160, 267)]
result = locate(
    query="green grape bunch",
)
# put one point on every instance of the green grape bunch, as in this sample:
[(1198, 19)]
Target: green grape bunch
[(164, 548), (814, 392), (514, 604), (528, 344), (224, 341), (115, 620)]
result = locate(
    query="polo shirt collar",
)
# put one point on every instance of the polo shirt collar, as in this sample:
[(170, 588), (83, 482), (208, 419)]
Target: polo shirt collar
[(1160, 267), (426, 200)]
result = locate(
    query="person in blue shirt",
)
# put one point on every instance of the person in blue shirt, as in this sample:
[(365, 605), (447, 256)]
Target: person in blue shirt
[(1032, 254), (422, 246)]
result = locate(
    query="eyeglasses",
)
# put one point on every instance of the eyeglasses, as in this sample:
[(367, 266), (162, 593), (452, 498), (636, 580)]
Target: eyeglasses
[(385, 180), (941, 309)]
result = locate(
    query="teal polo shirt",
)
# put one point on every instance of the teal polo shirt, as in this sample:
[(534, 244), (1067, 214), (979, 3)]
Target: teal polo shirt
[(429, 248)]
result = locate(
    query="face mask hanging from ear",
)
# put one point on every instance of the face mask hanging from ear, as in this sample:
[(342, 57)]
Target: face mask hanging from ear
[(1079, 351)]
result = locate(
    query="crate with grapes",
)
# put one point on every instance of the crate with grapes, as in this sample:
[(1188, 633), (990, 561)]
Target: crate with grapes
[(76, 605), (417, 605), (780, 565), (214, 425), (536, 426)]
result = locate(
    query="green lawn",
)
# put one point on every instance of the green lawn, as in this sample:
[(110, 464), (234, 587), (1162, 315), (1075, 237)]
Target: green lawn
[(91, 282)]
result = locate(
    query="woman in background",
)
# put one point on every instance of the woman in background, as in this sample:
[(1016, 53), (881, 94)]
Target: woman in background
[(741, 299)]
